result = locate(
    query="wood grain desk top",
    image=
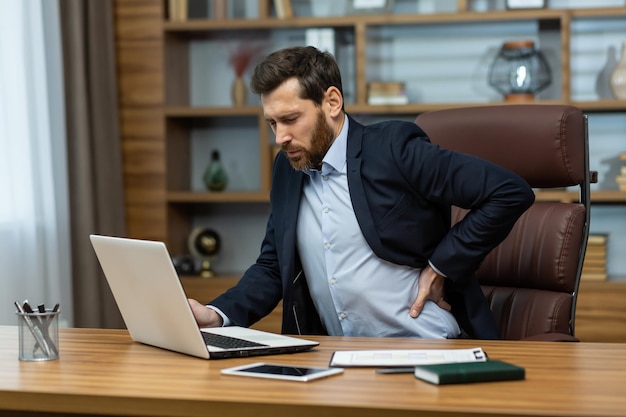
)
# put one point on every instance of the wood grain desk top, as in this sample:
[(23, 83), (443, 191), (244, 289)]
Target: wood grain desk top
[(105, 372)]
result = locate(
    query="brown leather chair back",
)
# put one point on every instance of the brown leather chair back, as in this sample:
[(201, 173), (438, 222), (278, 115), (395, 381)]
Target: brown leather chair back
[(531, 279)]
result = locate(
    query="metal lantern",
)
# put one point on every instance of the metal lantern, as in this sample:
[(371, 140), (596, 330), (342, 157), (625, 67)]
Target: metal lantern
[(519, 71)]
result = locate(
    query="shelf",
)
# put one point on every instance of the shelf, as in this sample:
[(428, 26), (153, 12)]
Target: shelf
[(191, 112), (195, 197), (602, 196), (601, 12), (411, 108), (416, 108), (600, 105), (202, 25)]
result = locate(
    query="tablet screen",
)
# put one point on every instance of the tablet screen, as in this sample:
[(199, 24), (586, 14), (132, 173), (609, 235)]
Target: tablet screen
[(288, 372)]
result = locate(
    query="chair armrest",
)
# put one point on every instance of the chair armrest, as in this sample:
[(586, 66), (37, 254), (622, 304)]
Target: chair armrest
[(551, 337)]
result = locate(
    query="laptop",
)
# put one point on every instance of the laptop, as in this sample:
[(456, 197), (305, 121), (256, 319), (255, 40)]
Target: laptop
[(156, 312)]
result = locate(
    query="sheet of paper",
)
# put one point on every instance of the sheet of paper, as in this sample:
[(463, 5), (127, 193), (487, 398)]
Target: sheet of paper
[(393, 357)]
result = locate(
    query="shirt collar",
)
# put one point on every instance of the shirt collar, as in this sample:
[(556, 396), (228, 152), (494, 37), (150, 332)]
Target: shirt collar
[(335, 158)]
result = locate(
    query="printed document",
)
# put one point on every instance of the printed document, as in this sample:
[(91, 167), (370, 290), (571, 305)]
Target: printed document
[(396, 357)]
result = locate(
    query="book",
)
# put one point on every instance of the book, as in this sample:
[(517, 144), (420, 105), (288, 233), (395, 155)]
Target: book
[(220, 9), (459, 373), (595, 251), (597, 239), (593, 276), (321, 38), (283, 9), (594, 264), (386, 92), (385, 100), (178, 10), (386, 87)]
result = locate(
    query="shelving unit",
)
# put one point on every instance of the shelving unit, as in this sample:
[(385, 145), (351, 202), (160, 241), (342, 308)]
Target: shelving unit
[(195, 114)]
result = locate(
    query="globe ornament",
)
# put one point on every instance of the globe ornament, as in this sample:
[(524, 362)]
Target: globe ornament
[(204, 244)]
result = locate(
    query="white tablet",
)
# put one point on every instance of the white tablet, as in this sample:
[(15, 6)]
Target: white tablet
[(277, 371)]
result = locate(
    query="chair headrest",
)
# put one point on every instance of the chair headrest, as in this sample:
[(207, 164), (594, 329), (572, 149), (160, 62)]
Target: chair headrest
[(545, 144)]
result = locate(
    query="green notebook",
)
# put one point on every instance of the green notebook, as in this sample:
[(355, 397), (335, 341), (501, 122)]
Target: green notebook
[(458, 373)]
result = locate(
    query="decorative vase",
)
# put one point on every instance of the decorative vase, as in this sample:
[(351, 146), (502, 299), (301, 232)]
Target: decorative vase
[(239, 93), (215, 177), (618, 77), (603, 81)]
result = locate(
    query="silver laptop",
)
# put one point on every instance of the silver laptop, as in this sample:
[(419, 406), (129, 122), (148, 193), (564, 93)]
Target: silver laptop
[(156, 312)]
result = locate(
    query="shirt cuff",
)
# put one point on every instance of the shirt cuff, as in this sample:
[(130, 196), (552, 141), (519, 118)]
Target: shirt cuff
[(225, 320), (436, 270)]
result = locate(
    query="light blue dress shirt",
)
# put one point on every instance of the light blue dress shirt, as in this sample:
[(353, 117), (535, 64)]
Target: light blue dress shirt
[(355, 292)]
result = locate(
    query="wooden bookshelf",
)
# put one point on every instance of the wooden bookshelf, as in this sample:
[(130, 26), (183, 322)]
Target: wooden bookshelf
[(158, 120)]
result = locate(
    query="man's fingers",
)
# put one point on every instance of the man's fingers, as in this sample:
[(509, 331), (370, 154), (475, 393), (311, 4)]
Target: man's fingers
[(418, 305), (444, 304)]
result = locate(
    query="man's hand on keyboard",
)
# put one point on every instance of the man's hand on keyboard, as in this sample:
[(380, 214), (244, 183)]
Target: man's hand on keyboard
[(204, 315)]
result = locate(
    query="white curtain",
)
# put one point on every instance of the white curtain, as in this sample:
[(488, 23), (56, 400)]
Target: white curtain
[(34, 231)]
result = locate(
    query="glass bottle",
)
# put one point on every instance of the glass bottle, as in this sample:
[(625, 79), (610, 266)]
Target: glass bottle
[(215, 177), (603, 81), (618, 77)]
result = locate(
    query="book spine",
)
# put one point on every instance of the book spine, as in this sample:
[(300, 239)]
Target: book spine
[(470, 376), (178, 10), (283, 9), (220, 9)]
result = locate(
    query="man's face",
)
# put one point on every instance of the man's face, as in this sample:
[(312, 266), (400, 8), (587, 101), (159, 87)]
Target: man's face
[(301, 127)]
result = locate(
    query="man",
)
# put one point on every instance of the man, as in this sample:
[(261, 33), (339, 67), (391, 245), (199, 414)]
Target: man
[(358, 242)]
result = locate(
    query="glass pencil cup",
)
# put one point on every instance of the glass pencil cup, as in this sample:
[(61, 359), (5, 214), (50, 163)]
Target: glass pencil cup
[(38, 335)]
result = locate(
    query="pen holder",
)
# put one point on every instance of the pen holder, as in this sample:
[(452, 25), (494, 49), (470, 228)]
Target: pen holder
[(38, 335)]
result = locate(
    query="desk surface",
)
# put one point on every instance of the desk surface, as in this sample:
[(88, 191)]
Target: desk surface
[(105, 372)]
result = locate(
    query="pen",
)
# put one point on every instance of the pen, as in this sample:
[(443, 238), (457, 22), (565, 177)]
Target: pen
[(45, 325), (35, 328), (396, 370)]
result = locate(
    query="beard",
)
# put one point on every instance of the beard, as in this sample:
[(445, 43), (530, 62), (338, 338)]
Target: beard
[(321, 139)]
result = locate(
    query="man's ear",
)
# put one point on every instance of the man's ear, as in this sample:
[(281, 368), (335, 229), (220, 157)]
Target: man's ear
[(334, 100)]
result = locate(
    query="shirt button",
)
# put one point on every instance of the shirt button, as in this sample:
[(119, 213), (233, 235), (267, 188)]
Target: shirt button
[(325, 177), (326, 210), (327, 245), (342, 316), (332, 281)]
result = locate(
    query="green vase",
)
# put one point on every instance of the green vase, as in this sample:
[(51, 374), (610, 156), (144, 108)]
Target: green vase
[(215, 177)]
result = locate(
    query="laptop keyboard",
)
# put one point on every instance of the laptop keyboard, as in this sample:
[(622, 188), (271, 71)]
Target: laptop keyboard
[(228, 342)]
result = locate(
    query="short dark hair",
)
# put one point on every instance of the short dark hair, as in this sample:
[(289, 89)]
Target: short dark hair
[(315, 70)]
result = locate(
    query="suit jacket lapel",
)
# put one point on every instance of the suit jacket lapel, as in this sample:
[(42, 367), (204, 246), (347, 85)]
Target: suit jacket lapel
[(290, 222)]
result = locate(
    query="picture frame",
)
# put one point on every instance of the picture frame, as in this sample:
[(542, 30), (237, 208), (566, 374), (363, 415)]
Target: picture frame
[(369, 6), (525, 4)]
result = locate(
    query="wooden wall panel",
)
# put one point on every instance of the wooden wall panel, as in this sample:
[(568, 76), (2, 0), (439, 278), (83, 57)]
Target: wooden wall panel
[(139, 50)]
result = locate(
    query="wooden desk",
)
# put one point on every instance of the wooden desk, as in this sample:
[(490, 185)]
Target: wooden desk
[(103, 372)]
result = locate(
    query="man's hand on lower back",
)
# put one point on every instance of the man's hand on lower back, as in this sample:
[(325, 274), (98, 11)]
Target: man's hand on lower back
[(430, 288)]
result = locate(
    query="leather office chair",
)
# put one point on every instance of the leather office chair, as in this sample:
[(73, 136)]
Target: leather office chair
[(531, 279)]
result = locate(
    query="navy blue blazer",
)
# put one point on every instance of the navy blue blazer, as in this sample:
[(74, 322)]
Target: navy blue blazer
[(402, 187)]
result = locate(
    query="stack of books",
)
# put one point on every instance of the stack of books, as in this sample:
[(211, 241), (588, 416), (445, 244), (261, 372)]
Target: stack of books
[(384, 93), (594, 265), (621, 178)]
